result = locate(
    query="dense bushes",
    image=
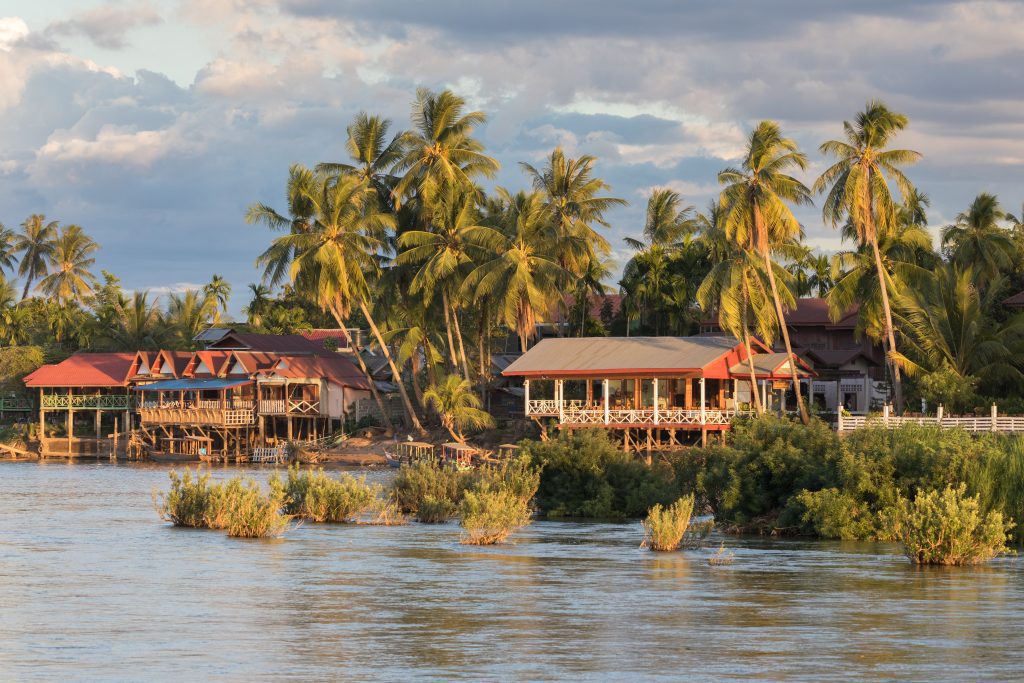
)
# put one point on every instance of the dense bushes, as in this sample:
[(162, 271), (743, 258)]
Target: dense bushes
[(490, 514), (665, 527), (949, 528), (583, 474), (237, 505), (317, 497)]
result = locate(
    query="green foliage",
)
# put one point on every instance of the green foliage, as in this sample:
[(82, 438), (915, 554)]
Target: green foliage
[(490, 514), (949, 528), (665, 527), (253, 514), (317, 497), (237, 505), (187, 501), (428, 480), (832, 513), (957, 393), (433, 510), (15, 363), (583, 474)]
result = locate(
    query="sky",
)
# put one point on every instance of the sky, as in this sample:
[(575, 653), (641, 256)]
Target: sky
[(155, 123)]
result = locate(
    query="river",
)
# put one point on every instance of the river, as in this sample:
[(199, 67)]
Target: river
[(94, 586)]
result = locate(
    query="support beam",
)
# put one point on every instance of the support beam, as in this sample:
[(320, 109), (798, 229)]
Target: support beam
[(657, 416), (703, 415), (559, 395), (526, 398), (604, 391)]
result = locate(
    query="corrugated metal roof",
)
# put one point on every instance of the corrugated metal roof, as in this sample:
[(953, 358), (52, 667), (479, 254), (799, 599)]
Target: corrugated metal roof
[(768, 364), (193, 384), (84, 370), (605, 354), (335, 368)]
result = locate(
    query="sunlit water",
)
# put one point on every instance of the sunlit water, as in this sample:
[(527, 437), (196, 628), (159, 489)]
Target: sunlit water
[(93, 585)]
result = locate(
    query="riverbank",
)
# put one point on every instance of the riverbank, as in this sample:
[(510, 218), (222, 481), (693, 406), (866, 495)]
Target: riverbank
[(81, 544)]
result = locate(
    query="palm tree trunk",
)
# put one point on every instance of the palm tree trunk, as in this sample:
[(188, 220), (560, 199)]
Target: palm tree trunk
[(453, 361), (366, 372), (897, 385), (395, 374), (28, 284), (755, 394), (462, 345), (484, 361), (417, 390)]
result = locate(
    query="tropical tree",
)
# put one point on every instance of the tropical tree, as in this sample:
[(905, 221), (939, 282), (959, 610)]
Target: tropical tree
[(35, 244), (372, 153), (589, 283), (821, 277), (71, 258), (571, 192), (259, 302), (139, 325), (668, 220), (188, 314), (337, 254), (858, 189), (8, 250), (978, 242), (522, 276), (218, 291), (278, 257), (457, 406), (756, 215)]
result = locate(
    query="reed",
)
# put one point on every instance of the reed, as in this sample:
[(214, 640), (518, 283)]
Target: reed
[(317, 497), (665, 527), (490, 515)]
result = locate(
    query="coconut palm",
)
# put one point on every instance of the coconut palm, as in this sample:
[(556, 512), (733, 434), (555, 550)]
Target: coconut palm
[(278, 257), (441, 148), (338, 254), (457, 406), (943, 324), (977, 241), (522, 276), (571, 193), (188, 314), (668, 220), (858, 189), (139, 324), (756, 216), (35, 244), (821, 278), (71, 259), (372, 153), (259, 302), (219, 292), (8, 250), (589, 283)]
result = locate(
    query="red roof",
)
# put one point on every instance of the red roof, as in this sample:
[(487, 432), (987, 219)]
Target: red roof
[(85, 370), (272, 343), (336, 369), (1015, 301), (813, 311), (321, 335)]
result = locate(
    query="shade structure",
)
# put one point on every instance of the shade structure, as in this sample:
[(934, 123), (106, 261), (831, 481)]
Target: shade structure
[(194, 384)]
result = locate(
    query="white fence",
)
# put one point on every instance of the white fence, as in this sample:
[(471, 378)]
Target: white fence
[(575, 415), (971, 423)]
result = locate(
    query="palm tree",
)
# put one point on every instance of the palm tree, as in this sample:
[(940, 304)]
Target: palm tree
[(188, 313), (71, 257), (35, 244), (821, 277), (977, 241), (278, 257), (457, 406), (338, 252), (522, 277), (860, 191), (756, 216), (441, 148), (372, 153), (139, 325), (8, 250), (668, 220), (590, 282), (258, 304), (571, 193), (219, 292), (943, 324)]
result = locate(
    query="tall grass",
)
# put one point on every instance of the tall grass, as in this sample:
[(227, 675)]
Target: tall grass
[(237, 505), (317, 497), (949, 528), (428, 480), (665, 527), (253, 514), (490, 515), (187, 502)]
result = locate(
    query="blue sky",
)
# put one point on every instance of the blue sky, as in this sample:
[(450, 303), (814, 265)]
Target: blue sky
[(154, 123)]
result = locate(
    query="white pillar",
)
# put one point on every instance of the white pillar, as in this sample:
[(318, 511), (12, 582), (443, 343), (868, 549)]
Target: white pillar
[(885, 414), (938, 414), (526, 397), (736, 395), (702, 415), (604, 390), (656, 415), (995, 417), (558, 397)]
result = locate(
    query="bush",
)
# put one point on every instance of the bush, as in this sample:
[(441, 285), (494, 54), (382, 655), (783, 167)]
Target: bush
[(424, 480), (956, 392), (665, 527), (252, 514), (187, 502), (317, 497), (583, 474), (949, 528), (237, 505), (831, 513), (433, 510), (489, 515)]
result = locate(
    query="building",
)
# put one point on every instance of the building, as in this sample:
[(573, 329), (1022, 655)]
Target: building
[(653, 391), (849, 369), (242, 392)]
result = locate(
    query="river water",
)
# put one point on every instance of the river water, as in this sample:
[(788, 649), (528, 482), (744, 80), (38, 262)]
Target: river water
[(94, 586)]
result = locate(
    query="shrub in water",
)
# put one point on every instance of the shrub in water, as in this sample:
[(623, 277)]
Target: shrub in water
[(418, 481), (832, 513), (949, 528), (187, 501), (489, 515), (665, 527), (253, 514), (317, 497), (433, 510)]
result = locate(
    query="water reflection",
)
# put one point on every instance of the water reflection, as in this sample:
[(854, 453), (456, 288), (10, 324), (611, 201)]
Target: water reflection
[(93, 585)]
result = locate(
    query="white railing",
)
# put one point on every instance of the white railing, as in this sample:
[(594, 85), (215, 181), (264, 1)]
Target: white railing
[(971, 423), (272, 406), (542, 407), (647, 416)]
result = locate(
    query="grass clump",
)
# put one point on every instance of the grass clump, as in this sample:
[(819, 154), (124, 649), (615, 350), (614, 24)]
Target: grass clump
[(490, 515), (237, 505), (317, 497), (428, 480), (187, 502), (253, 514), (665, 527), (949, 528)]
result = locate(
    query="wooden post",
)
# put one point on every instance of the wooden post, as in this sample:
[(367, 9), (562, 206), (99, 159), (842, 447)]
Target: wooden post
[(526, 397), (559, 396), (702, 413), (71, 421), (657, 416), (995, 418), (115, 437), (604, 390), (938, 414), (688, 394)]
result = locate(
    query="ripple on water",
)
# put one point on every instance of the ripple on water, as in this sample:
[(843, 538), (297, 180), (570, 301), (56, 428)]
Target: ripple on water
[(93, 585)]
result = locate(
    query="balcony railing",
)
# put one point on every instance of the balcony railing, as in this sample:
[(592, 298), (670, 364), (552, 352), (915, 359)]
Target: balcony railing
[(291, 406), (14, 404), (577, 413), (198, 416), (85, 402)]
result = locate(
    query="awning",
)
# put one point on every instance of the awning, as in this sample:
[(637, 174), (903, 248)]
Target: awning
[(194, 384)]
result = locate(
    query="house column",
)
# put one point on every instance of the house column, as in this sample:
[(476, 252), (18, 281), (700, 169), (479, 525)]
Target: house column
[(810, 393), (559, 397), (736, 394), (657, 416), (702, 413), (604, 391), (71, 421), (526, 397)]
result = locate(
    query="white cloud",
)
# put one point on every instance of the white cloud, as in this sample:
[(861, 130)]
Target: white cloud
[(12, 29)]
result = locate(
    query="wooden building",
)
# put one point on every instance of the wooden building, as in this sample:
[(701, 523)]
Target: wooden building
[(244, 391), (652, 390)]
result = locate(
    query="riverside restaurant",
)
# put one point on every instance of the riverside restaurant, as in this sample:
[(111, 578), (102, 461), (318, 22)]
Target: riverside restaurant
[(654, 392)]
